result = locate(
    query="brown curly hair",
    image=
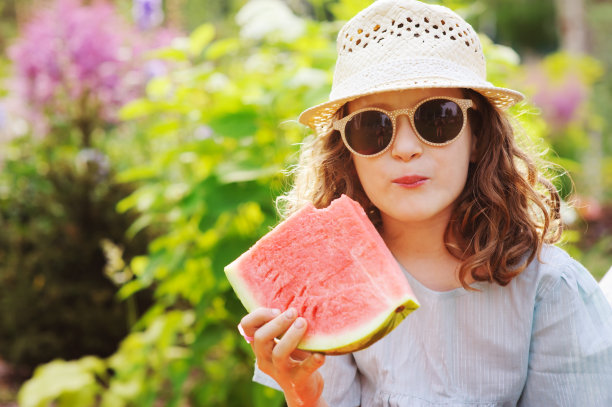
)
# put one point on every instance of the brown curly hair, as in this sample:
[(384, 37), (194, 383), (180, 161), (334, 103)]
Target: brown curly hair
[(504, 214)]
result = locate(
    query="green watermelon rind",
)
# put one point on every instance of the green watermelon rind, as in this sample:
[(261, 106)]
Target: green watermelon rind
[(232, 272), (337, 344), (366, 335)]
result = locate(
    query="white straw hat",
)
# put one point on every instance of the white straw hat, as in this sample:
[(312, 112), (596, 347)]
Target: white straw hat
[(406, 44)]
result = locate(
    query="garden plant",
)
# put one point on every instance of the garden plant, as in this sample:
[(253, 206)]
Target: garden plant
[(134, 185)]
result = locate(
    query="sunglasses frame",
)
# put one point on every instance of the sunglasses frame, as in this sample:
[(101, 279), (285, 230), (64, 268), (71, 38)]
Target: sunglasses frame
[(464, 104)]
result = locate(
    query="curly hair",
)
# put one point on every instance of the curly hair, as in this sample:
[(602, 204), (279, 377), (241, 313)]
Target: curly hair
[(505, 213)]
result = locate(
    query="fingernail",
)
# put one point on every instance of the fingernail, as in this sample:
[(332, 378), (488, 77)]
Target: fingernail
[(300, 322), (290, 313), (275, 312)]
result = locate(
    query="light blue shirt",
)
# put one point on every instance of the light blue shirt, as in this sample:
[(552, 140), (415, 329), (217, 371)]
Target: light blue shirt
[(544, 340)]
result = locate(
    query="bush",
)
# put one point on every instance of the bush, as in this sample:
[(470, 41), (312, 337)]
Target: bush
[(54, 296), (219, 131), (73, 65)]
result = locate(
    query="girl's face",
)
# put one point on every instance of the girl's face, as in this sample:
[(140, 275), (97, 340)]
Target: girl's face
[(412, 181)]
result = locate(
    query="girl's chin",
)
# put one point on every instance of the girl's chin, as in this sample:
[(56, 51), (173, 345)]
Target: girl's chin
[(416, 214), (413, 217)]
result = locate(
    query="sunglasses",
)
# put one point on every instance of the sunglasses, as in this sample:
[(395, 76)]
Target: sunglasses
[(370, 132)]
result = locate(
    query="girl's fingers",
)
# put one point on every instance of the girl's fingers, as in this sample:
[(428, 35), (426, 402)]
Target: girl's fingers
[(289, 342), (285, 352), (309, 365), (300, 355), (276, 327), (280, 357), (259, 317)]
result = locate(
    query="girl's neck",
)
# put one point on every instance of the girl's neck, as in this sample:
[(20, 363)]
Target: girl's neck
[(418, 240), (420, 248)]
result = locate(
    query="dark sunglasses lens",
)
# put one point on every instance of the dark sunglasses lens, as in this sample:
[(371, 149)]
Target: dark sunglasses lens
[(438, 121), (369, 132)]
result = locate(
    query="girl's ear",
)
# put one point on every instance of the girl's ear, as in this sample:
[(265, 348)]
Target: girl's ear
[(474, 150)]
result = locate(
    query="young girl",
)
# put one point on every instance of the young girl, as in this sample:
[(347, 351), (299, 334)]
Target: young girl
[(415, 133)]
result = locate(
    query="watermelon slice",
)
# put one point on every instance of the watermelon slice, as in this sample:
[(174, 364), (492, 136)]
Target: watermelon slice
[(333, 267)]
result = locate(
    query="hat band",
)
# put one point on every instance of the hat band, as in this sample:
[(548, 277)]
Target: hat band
[(422, 72)]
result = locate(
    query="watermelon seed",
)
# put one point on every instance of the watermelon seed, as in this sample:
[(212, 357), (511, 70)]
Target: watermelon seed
[(400, 308), (289, 303)]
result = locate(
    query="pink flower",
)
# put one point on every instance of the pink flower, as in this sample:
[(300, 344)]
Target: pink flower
[(560, 100), (81, 62), (589, 208)]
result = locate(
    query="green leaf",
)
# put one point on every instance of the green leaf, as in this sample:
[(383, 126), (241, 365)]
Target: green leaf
[(130, 288), (136, 109), (137, 174), (223, 47), (170, 54), (230, 172), (236, 125), (159, 88), (200, 38), (346, 9), (69, 382), (138, 225), (164, 128)]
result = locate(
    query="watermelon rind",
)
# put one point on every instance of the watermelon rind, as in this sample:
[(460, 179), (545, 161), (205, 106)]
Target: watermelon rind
[(364, 336), (243, 292)]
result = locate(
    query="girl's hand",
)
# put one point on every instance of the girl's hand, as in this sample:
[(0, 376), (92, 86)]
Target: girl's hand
[(293, 369)]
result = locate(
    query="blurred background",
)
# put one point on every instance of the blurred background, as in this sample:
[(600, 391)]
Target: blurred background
[(142, 144)]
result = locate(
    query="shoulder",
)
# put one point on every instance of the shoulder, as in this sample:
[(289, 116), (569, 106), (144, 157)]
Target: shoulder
[(569, 303), (554, 270), (570, 355)]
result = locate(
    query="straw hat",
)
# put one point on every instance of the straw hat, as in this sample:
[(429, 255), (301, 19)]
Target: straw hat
[(406, 44)]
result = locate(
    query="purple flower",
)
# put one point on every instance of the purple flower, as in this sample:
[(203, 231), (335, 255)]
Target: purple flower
[(78, 61), (560, 104), (147, 13), (155, 68), (561, 99), (203, 133)]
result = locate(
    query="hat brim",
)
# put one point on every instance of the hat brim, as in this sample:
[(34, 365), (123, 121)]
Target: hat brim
[(318, 117)]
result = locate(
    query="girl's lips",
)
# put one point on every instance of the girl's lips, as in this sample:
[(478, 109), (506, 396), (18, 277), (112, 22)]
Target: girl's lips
[(410, 181)]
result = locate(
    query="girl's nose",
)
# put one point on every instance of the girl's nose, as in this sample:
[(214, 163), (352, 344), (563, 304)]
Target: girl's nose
[(406, 145)]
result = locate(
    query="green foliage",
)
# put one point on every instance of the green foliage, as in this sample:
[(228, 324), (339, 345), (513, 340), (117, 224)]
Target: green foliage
[(7, 26), (210, 142), (567, 89), (220, 130), (524, 25), (57, 193), (55, 300), (70, 383)]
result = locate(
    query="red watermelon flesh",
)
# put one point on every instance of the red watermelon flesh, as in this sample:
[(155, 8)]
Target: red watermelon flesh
[(333, 267)]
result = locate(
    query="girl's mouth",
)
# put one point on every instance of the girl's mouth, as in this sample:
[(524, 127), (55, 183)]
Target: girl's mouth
[(410, 181)]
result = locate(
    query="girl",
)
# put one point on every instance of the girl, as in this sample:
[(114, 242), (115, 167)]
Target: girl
[(415, 133)]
